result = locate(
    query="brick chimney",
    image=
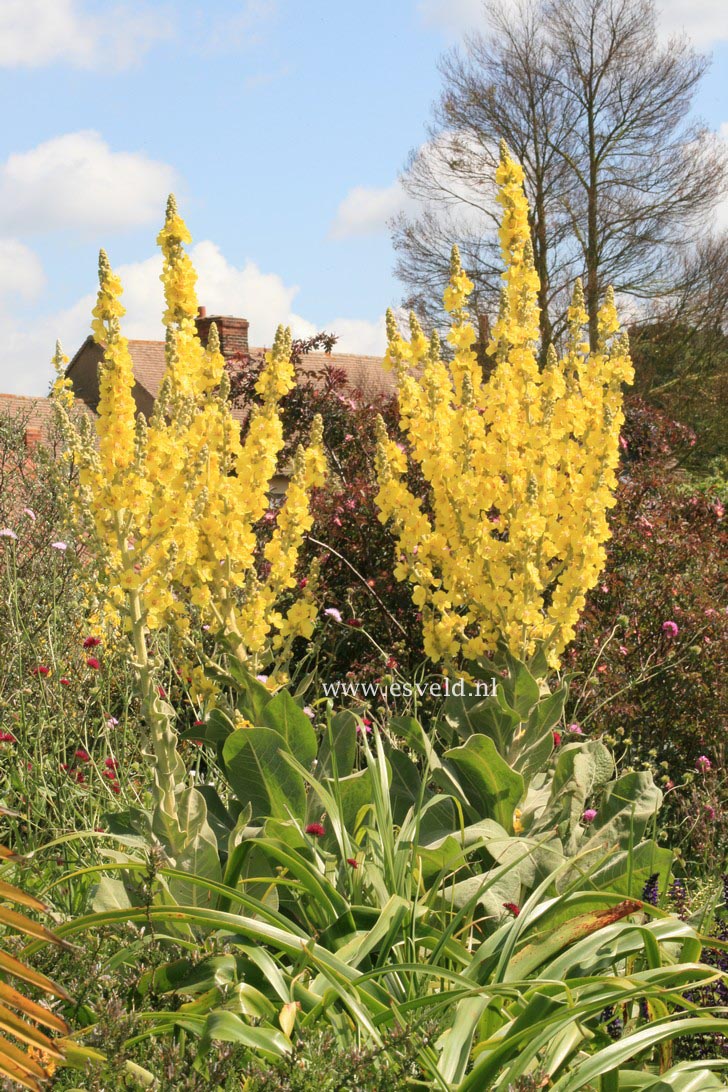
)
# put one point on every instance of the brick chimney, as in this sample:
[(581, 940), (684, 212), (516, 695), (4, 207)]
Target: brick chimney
[(233, 332), (33, 437)]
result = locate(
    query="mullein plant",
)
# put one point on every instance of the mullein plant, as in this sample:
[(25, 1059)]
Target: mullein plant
[(520, 469), (167, 509)]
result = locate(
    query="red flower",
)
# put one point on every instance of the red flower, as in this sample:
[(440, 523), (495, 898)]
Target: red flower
[(7, 737), (82, 755), (199, 723), (110, 763), (92, 642), (79, 777), (162, 692), (355, 623), (557, 738), (352, 861), (115, 787), (64, 681), (513, 908), (41, 670), (391, 662), (316, 829), (109, 775), (93, 662)]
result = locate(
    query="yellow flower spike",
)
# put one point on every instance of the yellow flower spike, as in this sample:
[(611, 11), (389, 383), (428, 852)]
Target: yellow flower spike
[(171, 526), (520, 471)]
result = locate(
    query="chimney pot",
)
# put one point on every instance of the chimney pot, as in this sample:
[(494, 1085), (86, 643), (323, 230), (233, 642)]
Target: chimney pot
[(201, 312)]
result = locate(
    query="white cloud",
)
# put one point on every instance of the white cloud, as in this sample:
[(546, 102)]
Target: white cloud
[(77, 181), (41, 32), (366, 210), (452, 16), (263, 298), (359, 335), (244, 27), (21, 272), (703, 20)]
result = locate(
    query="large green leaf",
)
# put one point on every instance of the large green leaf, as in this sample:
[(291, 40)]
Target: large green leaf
[(491, 787), (259, 774), (285, 716), (338, 746), (626, 807), (190, 842), (471, 716)]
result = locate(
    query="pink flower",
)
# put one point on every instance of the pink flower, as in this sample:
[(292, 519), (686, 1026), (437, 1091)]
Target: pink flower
[(365, 726), (316, 829), (703, 764), (576, 729), (93, 662), (670, 629), (589, 816), (333, 613), (29, 513), (7, 533), (309, 712), (59, 546), (709, 812), (111, 722)]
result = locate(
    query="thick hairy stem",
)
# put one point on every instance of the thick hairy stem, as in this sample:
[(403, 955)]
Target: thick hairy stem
[(161, 741)]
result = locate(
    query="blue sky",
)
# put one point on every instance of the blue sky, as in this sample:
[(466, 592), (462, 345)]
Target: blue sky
[(280, 125)]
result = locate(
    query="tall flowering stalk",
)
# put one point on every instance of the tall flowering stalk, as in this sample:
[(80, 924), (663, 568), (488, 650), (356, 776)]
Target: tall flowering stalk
[(520, 469), (169, 506)]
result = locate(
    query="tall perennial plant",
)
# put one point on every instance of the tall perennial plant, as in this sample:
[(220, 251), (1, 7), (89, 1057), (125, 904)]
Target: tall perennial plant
[(167, 508), (520, 468)]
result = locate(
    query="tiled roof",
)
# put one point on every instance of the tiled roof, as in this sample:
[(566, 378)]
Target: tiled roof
[(364, 373), (36, 413)]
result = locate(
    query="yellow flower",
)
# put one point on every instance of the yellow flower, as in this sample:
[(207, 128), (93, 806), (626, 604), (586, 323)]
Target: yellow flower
[(520, 471), (172, 504)]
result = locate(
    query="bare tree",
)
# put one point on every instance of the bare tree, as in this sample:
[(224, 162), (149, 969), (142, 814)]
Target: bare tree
[(597, 111), (645, 176)]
